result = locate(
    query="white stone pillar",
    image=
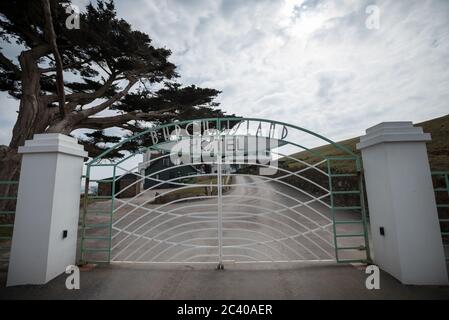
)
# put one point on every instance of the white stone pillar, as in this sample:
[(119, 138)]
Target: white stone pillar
[(46, 223), (402, 202)]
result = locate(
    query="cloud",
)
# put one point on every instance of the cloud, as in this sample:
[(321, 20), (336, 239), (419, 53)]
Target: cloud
[(312, 63)]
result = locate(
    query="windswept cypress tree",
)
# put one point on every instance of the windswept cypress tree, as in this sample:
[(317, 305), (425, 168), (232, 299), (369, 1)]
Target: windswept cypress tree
[(65, 79)]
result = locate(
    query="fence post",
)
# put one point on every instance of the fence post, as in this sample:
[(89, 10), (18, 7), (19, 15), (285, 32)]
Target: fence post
[(46, 223), (404, 222)]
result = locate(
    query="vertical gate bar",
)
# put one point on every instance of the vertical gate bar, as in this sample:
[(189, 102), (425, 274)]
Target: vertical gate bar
[(219, 198), (363, 208), (85, 204), (329, 171), (112, 211), (446, 180)]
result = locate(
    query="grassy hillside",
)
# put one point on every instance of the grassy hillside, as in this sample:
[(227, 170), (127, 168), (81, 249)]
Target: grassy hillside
[(438, 148)]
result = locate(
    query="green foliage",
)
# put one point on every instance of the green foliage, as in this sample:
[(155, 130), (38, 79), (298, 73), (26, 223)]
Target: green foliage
[(102, 56)]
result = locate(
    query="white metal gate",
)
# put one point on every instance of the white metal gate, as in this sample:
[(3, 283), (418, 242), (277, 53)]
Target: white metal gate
[(266, 203)]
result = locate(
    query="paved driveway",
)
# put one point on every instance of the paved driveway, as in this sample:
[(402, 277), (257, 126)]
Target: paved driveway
[(244, 219), (302, 281)]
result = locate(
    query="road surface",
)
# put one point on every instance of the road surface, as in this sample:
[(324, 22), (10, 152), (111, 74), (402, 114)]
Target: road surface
[(245, 214), (302, 281)]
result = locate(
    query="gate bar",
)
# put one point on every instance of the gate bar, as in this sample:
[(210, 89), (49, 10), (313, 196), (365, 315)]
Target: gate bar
[(219, 199)]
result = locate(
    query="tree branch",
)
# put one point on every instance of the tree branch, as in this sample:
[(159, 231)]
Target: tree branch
[(38, 51), (81, 98), (67, 66), (85, 98), (94, 110), (9, 65), (51, 38), (117, 121)]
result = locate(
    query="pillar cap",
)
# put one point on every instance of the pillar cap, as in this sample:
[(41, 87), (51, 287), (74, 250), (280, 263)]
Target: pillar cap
[(53, 142), (398, 131)]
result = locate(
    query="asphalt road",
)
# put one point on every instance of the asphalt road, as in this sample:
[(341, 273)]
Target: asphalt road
[(297, 281), (252, 218)]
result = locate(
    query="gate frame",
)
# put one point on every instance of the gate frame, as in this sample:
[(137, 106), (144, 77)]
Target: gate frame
[(96, 162)]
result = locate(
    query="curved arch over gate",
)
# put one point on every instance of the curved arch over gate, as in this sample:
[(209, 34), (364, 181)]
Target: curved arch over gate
[(225, 190)]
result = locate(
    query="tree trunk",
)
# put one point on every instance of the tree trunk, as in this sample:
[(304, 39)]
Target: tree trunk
[(33, 117), (33, 113)]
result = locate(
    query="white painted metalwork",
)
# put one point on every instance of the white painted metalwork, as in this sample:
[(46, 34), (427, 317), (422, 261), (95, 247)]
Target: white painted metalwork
[(237, 217), (220, 206), (273, 239)]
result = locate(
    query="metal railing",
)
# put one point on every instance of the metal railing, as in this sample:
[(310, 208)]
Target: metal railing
[(357, 192), (8, 197), (441, 188)]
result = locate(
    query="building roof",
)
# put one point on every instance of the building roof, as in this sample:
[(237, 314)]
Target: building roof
[(125, 176)]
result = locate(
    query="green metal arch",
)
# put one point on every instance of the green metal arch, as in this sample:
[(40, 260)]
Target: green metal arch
[(222, 119)]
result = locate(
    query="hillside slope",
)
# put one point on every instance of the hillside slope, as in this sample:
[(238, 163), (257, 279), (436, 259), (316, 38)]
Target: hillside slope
[(438, 148)]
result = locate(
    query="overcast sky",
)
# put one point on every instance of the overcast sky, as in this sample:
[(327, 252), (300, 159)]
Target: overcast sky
[(312, 63)]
